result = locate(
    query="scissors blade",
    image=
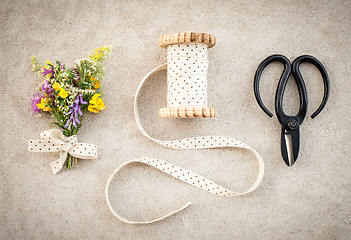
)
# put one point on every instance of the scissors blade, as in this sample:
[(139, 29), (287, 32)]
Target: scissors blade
[(290, 145)]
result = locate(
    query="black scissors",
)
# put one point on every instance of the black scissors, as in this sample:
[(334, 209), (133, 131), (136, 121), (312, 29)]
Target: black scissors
[(290, 124)]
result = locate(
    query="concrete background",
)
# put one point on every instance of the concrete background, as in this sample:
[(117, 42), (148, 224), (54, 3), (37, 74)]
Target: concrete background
[(310, 200)]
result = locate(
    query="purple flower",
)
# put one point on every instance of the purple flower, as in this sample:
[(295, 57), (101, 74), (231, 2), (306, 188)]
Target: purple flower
[(81, 99), (75, 111), (46, 88), (68, 122), (34, 101), (49, 71)]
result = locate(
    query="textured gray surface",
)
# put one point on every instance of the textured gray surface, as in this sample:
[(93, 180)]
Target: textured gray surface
[(310, 200)]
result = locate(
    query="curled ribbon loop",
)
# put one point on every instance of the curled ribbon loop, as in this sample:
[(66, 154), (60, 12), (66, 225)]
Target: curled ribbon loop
[(54, 141), (194, 179)]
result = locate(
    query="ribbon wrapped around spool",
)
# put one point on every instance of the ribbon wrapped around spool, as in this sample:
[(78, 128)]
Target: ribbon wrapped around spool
[(187, 67), (187, 98)]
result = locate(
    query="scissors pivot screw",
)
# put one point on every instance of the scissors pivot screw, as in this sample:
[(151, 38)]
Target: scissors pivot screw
[(292, 124)]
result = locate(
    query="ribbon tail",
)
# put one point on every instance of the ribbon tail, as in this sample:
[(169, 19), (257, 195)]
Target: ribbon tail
[(57, 165)]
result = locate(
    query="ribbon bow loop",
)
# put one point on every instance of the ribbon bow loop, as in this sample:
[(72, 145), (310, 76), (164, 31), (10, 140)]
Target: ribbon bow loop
[(54, 141)]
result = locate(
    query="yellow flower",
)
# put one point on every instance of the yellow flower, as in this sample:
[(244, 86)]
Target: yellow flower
[(96, 84), (48, 63), (93, 100), (92, 109), (101, 53), (47, 67), (57, 86), (43, 104), (96, 104), (46, 109), (63, 93)]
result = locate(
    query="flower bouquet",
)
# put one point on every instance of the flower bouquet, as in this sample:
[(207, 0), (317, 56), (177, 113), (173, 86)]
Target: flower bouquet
[(67, 95)]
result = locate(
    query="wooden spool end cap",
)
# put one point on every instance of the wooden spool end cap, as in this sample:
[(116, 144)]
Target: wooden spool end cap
[(187, 112), (187, 37)]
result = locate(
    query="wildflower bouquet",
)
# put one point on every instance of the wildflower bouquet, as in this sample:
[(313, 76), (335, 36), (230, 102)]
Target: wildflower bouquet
[(68, 94)]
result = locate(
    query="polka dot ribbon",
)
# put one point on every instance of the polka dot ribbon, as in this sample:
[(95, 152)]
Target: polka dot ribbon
[(54, 141), (187, 67), (180, 173)]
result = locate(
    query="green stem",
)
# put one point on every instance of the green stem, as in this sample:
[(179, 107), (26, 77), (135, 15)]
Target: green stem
[(69, 162)]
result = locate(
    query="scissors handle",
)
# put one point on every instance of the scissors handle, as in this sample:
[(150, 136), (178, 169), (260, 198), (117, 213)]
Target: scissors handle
[(291, 122), (286, 73), (297, 74), (293, 68)]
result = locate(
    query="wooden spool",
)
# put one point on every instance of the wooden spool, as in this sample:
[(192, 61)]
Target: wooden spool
[(186, 111), (188, 37)]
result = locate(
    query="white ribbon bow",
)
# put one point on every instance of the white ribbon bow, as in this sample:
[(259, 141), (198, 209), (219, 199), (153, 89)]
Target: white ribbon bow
[(54, 141)]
